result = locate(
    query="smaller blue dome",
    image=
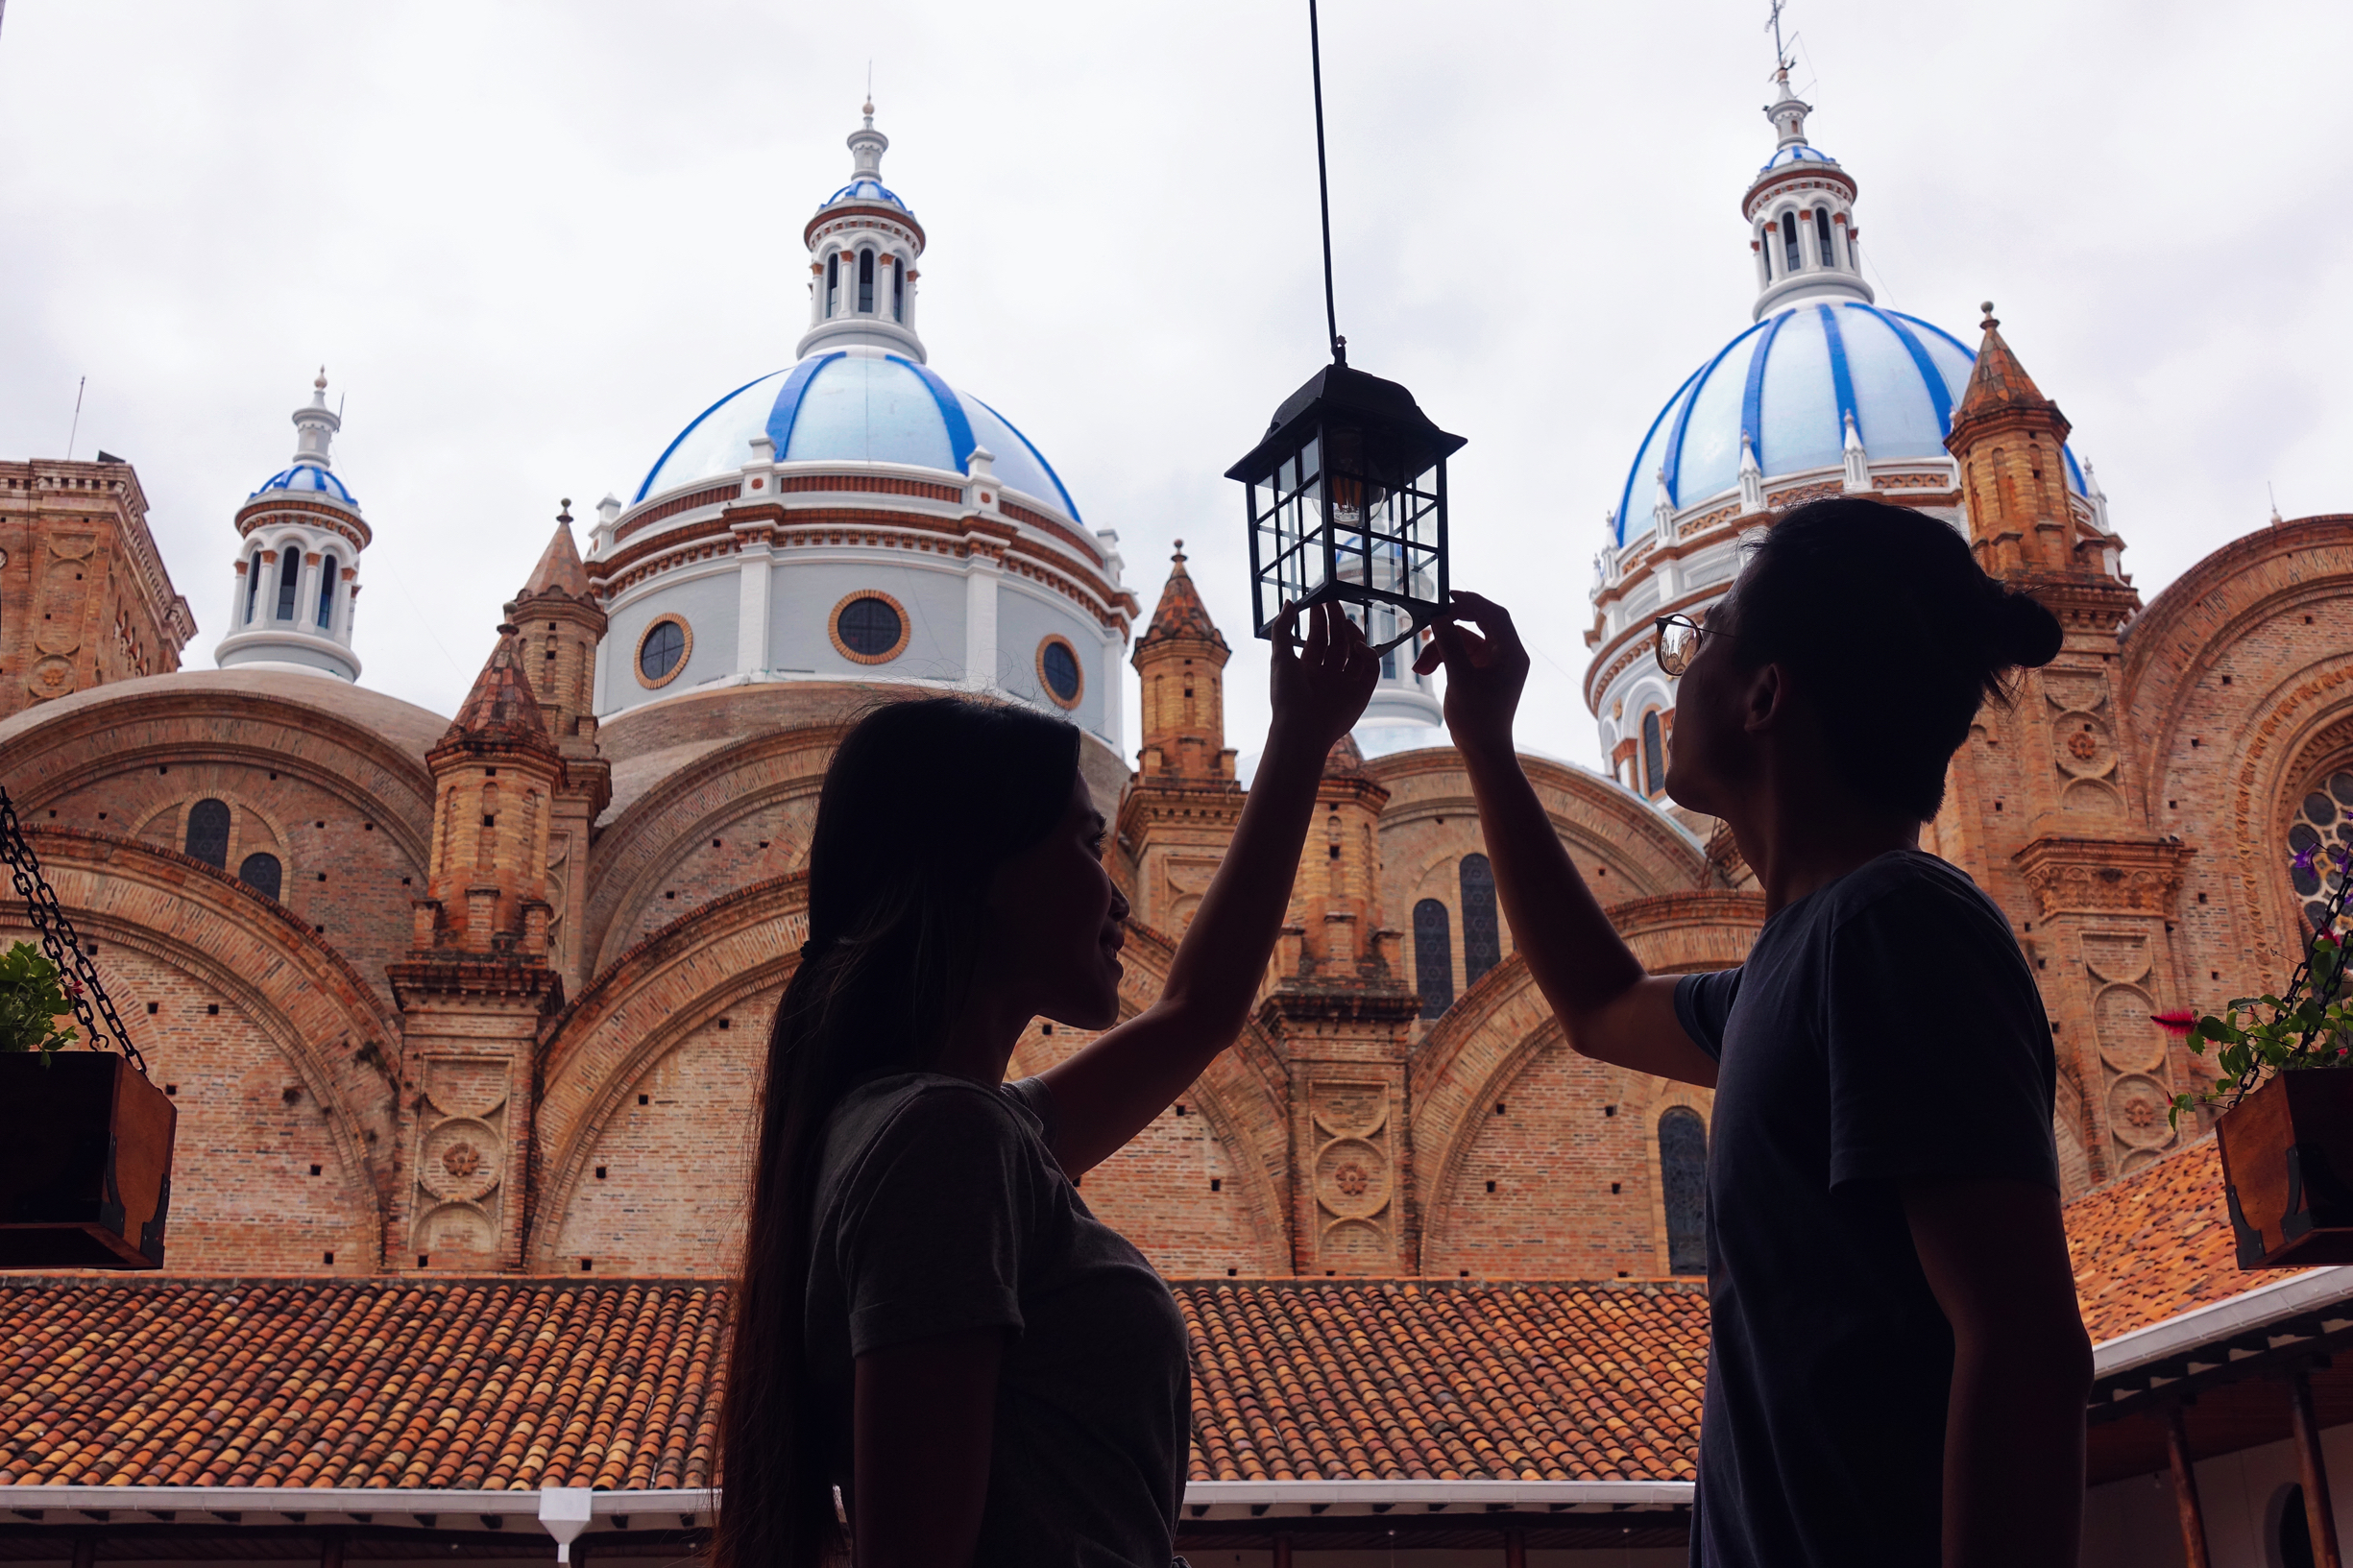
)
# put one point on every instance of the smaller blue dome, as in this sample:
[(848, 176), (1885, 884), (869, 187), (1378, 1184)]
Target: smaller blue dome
[(1796, 153), (305, 478), (868, 190)]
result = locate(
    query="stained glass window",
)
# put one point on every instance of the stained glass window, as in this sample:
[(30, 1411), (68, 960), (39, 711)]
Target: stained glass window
[(2324, 819), (1653, 754), (659, 653), (870, 626), (1433, 958), (1482, 932), (263, 874), (208, 838), (1682, 1182)]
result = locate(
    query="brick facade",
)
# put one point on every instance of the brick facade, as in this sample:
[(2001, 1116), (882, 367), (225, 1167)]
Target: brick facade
[(83, 596)]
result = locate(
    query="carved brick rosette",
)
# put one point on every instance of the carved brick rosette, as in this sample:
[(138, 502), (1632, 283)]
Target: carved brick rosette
[(2104, 876)]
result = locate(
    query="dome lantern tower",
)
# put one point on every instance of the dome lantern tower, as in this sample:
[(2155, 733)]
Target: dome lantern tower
[(864, 244), (298, 561), (1800, 215)]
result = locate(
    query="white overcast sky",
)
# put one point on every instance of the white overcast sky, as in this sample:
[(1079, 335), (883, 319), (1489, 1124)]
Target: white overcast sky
[(530, 241)]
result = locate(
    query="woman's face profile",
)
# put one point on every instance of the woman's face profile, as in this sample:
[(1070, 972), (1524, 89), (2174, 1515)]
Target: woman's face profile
[(1056, 924)]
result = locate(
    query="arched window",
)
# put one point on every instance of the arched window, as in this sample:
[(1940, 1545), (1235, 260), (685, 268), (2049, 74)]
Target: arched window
[(865, 282), (252, 586), (1682, 1182), (1821, 233), (1653, 754), (263, 874), (898, 289), (289, 578), (208, 838), (833, 282), (1764, 237), (1792, 258), (327, 592), (1433, 958), (1482, 933)]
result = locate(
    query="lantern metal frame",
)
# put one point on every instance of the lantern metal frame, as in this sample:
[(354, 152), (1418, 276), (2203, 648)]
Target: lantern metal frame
[(1347, 501)]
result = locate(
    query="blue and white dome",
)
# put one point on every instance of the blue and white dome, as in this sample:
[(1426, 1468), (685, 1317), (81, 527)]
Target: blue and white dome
[(865, 189), (1788, 383), (859, 404), (307, 479)]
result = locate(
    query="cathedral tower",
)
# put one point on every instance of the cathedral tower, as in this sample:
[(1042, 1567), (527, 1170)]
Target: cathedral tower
[(1183, 804), (560, 628), (477, 982), (298, 565)]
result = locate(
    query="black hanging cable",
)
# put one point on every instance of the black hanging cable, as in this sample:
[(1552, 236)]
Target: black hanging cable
[(1323, 189)]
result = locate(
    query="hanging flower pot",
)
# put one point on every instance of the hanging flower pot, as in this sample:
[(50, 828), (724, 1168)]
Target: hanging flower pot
[(2286, 1132), (85, 1139)]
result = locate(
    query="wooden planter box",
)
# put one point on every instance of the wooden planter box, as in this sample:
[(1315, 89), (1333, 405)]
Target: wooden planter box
[(2288, 1169), (86, 1163)]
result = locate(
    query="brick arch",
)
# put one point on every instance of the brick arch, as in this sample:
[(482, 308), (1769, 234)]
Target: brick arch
[(122, 731), (665, 828), (305, 1000), (1502, 1027), (723, 958)]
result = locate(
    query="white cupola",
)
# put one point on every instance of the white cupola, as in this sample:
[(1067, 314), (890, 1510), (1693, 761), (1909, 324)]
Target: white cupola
[(1801, 214), (864, 244), (297, 577)]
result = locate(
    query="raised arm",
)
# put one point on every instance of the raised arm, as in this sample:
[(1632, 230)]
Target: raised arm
[(1607, 1006), (1110, 1091)]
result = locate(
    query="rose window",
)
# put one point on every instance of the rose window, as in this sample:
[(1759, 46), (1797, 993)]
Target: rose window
[(2324, 820)]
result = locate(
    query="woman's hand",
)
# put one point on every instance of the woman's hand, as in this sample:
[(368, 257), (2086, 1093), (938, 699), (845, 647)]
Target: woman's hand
[(1485, 672), (1320, 685)]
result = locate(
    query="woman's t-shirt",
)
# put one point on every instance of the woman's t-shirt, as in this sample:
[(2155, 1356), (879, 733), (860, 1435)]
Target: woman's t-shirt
[(1884, 1029), (940, 1210)]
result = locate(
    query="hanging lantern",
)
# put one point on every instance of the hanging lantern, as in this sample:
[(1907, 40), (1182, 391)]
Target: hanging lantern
[(1348, 504), (1347, 492)]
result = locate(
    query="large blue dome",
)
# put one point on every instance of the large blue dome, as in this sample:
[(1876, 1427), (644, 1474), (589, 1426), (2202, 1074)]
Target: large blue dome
[(1789, 382), (856, 405)]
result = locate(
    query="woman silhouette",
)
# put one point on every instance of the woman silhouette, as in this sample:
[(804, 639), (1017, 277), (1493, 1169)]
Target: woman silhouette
[(935, 1342)]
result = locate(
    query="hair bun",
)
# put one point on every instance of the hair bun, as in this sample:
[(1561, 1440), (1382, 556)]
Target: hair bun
[(2025, 633)]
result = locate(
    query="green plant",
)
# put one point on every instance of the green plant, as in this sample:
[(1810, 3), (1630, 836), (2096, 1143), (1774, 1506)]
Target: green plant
[(2310, 1027), (33, 996)]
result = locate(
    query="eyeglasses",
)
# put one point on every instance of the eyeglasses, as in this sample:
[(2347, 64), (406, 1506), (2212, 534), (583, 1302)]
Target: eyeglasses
[(1679, 639)]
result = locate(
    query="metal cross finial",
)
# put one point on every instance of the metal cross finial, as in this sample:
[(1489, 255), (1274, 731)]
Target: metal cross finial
[(1781, 55)]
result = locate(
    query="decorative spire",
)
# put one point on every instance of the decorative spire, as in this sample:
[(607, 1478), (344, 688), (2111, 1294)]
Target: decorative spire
[(559, 570), (1999, 383), (1858, 461), (868, 146), (1787, 111), (864, 244), (1801, 214), (499, 713), (1752, 476), (1181, 613), (316, 425)]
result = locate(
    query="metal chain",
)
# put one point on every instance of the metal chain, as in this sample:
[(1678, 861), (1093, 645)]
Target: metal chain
[(57, 940)]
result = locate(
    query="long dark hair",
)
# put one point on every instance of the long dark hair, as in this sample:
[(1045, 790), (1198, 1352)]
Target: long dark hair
[(899, 868), (1897, 634)]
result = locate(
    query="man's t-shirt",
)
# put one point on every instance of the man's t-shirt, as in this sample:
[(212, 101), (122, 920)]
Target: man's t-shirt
[(1884, 1029), (940, 1210)]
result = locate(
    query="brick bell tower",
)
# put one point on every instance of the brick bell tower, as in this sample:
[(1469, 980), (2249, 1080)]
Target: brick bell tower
[(478, 983), (559, 627), (1183, 803), (1342, 1016), (2041, 807)]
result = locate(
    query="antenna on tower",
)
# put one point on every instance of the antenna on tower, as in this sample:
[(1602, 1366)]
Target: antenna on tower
[(76, 428), (1773, 24)]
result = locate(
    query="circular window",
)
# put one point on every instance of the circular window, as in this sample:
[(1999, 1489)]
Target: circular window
[(1059, 671), (661, 651), (869, 628), (2325, 821)]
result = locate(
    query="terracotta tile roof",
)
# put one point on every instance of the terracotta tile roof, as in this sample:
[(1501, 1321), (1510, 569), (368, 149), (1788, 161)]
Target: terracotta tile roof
[(1181, 613), (2156, 1243), (1319, 1380), (490, 1385)]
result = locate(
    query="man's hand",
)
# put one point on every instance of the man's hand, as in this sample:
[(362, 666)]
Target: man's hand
[(1320, 687), (1485, 672)]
